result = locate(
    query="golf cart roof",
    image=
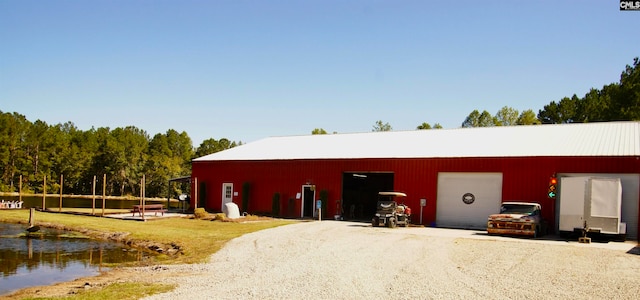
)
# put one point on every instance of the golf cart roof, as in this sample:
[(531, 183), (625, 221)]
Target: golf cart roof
[(395, 194)]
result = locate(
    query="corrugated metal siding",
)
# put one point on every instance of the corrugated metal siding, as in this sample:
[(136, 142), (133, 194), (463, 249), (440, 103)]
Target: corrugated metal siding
[(524, 178), (589, 139)]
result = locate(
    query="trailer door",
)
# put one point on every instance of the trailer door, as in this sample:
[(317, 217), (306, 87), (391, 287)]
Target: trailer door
[(571, 199)]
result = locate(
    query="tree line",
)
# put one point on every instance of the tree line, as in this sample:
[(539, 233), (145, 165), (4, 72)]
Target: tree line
[(32, 150), (618, 101)]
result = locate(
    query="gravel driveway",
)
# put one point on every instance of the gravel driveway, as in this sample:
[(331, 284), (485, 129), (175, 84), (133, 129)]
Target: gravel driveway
[(346, 260)]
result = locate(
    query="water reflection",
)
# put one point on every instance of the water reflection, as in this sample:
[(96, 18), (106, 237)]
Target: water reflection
[(51, 256)]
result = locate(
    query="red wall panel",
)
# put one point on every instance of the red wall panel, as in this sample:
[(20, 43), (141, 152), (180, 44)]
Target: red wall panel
[(524, 178)]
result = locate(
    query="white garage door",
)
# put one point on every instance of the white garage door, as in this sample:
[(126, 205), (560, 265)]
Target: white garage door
[(465, 200)]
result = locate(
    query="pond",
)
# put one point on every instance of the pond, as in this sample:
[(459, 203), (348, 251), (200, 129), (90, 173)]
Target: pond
[(50, 256)]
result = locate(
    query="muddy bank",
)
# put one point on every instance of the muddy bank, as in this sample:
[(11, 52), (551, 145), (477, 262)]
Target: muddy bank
[(172, 250)]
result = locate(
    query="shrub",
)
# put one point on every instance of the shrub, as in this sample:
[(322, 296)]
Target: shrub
[(220, 217), (200, 213)]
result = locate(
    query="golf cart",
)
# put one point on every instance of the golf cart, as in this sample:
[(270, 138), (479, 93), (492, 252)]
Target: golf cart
[(389, 212)]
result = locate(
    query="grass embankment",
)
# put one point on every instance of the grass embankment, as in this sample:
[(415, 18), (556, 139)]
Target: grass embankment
[(196, 239)]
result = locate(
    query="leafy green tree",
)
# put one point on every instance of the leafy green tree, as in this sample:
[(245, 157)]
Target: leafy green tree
[(160, 165), (39, 149), (527, 117), (506, 116), (477, 119), (628, 98), (426, 125), (207, 147), (35, 150), (84, 149), (318, 131), (594, 106), (210, 146), (561, 112), (549, 114), (13, 131), (58, 149), (123, 157), (181, 148), (487, 120), (614, 102), (379, 126), (101, 163), (472, 120), (169, 157), (225, 144)]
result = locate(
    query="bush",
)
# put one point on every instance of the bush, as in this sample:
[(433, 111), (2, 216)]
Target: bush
[(220, 217), (200, 213)]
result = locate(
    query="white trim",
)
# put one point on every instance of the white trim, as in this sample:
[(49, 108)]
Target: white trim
[(224, 195)]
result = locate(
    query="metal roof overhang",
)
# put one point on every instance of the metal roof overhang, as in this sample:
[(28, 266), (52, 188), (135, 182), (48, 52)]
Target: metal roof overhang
[(557, 140)]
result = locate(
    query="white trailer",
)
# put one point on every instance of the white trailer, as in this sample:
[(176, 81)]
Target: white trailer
[(591, 204)]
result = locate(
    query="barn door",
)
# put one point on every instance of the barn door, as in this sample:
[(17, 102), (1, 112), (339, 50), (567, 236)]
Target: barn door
[(227, 195), (308, 201)]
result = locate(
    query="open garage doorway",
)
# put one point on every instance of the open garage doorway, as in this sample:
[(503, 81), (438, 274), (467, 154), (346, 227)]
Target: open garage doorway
[(360, 193)]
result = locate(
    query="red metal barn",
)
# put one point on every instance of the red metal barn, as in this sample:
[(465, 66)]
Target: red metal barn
[(460, 175)]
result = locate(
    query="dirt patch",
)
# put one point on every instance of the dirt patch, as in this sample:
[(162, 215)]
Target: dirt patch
[(171, 249)]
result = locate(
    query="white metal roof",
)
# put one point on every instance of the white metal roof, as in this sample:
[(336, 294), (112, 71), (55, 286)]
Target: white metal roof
[(587, 139)]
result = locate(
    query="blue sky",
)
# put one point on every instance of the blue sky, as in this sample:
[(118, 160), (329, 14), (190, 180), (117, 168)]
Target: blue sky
[(246, 70)]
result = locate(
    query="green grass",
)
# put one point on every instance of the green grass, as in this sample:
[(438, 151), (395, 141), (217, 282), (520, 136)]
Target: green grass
[(198, 239), (121, 291)]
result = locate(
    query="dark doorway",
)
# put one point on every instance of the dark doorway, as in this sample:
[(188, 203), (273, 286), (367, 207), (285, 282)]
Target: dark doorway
[(308, 196), (360, 193)]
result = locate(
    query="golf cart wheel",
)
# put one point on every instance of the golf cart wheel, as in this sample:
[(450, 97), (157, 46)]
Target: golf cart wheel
[(375, 222), (391, 223)]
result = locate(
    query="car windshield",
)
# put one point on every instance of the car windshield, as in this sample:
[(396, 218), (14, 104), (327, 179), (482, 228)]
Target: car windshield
[(517, 209)]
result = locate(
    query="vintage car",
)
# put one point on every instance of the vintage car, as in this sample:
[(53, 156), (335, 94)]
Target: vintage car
[(517, 218)]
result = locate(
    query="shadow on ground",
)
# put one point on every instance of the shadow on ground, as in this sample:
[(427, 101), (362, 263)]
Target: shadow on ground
[(635, 250)]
